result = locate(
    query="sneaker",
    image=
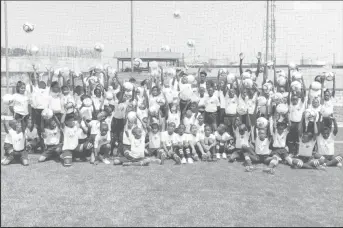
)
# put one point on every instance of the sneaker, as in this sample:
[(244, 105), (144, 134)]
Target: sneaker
[(218, 155), (214, 158), (25, 162), (249, 168), (190, 161), (224, 156), (92, 159), (106, 161), (177, 160), (196, 157), (321, 167), (145, 162), (231, 160), (339, 165), (163, 157), (269, 170), (183, 161), (67, 162), (127, 163), (5, 161)]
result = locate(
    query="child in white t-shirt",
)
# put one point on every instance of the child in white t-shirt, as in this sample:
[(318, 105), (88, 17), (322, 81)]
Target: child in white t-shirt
[(223, 141), (154, 147), (20, 104), (55, 100), (19, 151), (52, 139), (194, 142), (208, 143), (211, 106), (8, 146), (182, 149), (135, 155), (174, 115), (326, 146), (189, 120), (168, 140), (102, 144), (32, 138)]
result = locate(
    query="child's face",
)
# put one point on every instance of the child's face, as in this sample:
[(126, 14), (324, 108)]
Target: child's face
[(327, 95), (55, 88), (238, 121), (101, 116), (242, 130), (18, 127), (315, 103), (244, 94), (231, 93), (194, 130), (193, 107), (184, 80), (65, 91), (154, 92), (202, 91), (138, 134), (221, 129), (207, 131), (142, 106), (210, 92), (305, 138), (78, 90), (202, 78), (53, 124), (182, 129), (222, 84), (97, 92), (154, 128), (262, 134), (326, 133), (103, 129), (201, 119), (41, 85), (282, 89), (70, 123), (189, 114), (173, 109), (22, 89), (281, 129), (29, 123), (294, 100), (171, 128)]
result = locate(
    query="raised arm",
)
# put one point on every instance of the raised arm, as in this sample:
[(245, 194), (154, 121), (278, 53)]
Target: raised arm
[(334, 85), (335, 127), (258, 64), (241, 57)]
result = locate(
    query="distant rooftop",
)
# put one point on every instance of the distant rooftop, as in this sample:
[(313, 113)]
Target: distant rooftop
[(147, 56)]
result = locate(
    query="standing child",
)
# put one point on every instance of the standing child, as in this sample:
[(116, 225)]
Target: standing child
[(211, 106)]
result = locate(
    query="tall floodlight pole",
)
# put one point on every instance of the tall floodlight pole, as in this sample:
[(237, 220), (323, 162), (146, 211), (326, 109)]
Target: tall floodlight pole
[(6, 46), (132, 37), (267, 35)]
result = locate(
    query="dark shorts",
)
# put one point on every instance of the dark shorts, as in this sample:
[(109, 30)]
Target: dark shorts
[(229, 119), (304, 159), (211, 117), (51, 150), (81, 141), (279, 152), (37, 117), (17, 116), (79, 151), (23, 155), (263, 158)]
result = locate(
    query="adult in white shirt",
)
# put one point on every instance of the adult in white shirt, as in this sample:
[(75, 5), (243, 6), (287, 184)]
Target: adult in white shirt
[(211, 107)]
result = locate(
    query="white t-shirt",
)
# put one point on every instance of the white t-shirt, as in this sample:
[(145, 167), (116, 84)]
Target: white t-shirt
[(296, 111), (201, 128), (21, 104), (194, 139), (242, 105), (262, 147), (71, 138), (306, 149), (242, 139), (188, 122), (101, 140), (52, 136), (167, 139), (86, 112), (279, 141), (222, 139), (40, 97), (18, 140), (119, 110), (207, 140), (211, 103), (65, 100), (31, 135), (137, 146), (55, 103), (97, 102), (231, 105), (326, 146), (182, 138), (154, 140), (82, 135), (95, 127), (126, 138), (174, 118), (328, 105), (202, 101), (185, 91), (251, 103), (8, 138)]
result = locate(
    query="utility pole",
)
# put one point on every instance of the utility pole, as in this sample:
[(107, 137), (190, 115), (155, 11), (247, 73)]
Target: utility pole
[(6, 46), (267, 35), (132, 66)]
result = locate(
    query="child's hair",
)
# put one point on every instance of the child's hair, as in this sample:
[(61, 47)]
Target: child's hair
[(136, 130), (154, 125), (144, 82), (19, 85), (281, 124), (326, 129), (132, 80), (64, 87), (84, 96), (155, 87), (70, 117), (54, 83), (204, 73)]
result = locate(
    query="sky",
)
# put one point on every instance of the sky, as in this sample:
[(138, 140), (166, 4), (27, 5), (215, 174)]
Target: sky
[(220, 29)]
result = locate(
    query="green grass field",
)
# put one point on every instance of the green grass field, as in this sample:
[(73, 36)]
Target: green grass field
[(200, 194)]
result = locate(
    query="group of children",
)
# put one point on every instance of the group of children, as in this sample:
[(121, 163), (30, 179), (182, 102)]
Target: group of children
[(172, 115)]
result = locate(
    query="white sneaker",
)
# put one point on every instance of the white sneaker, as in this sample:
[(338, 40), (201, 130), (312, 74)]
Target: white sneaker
[(190, 161), (183, 161), (218, 155), (339, 165), (224, 156), (106, 161)]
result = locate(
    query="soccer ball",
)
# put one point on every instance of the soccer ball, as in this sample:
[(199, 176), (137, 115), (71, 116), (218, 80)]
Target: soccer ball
[(87, 102), (292, 65), (248, 83), (132, 116), (177, 14), (128, 86), (190, 43), (99, 47), (281, 80), (28, 27), (47, 113), (316, 86), (297, 75), (109, 95), (138, 62), (230, 78), (7, 99), (282, 108), (326, 112), (261, 101), (296, 86), (261, 122), (190, 79), (34, 50)]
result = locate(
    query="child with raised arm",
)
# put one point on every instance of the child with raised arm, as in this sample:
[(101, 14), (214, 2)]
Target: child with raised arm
[(8, 145), (182, 149), (154, 147), (32, 138), (102, 144), (19, 151), (168, 140)]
